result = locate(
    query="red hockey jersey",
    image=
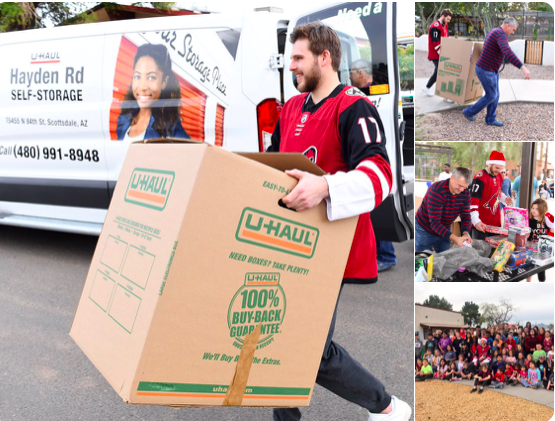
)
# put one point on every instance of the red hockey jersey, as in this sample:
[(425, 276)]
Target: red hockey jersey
[(485, 197), (341, 133), (437, 30)]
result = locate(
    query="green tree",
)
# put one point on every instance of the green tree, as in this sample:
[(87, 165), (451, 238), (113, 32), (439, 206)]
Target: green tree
[(474, 155), (471, 313), (406, 66), (436, 302), (535, 37), (540, 7), (428, 13), (517, 6), (474, 12), (27, 15)]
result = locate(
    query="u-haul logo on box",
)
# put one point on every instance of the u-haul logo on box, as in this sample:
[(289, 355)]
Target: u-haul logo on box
[(276, 233), (454, 67), (149, 188)]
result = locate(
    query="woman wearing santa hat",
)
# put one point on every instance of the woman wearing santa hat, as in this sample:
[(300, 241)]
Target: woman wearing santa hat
[(486, 195)]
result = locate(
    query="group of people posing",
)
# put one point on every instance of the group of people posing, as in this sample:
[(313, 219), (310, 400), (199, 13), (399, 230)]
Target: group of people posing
[(494, 357)]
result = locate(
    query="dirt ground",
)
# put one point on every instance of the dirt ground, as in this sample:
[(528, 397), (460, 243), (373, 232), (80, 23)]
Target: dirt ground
[(523, 122), (440, 401)]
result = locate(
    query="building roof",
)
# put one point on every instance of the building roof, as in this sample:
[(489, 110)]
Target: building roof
[(444, 325), (435, 308), (121, 11)]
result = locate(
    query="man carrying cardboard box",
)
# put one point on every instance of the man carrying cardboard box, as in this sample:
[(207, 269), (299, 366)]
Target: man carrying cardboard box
[(496, 48), (341, 130), (438, 29)]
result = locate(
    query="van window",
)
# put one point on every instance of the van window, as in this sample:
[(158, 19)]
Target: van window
[(362, 30)]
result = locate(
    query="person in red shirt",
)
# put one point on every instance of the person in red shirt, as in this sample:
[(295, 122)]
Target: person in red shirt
[(530, 342), (511, 342), (498, 380), (438, 29), (485, 196), (340, 130), (509, 371), (482, 352)]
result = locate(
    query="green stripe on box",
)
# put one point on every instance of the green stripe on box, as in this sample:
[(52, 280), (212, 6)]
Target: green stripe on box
[(220, 389)]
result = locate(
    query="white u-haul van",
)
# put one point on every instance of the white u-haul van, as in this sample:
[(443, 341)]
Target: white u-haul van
[(67, 105)]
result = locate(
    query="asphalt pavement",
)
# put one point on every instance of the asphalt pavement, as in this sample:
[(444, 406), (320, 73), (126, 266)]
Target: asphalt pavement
[(45, 376)]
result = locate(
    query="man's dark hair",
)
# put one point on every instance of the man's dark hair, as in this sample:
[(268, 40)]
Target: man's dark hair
[(446, 12), (320, 37), (447, 165)]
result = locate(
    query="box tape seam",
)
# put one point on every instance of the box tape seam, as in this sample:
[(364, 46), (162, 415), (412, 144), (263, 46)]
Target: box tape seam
[(236, 389)]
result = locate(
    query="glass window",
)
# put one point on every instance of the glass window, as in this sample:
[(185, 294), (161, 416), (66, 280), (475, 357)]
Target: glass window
[(405, 55), (362, 30)]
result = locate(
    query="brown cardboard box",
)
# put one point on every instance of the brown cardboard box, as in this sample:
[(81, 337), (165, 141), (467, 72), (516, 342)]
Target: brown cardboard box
[(194, 254), (456, 75)]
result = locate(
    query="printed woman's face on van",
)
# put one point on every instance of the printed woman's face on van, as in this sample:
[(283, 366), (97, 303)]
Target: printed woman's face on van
[(148, 82)]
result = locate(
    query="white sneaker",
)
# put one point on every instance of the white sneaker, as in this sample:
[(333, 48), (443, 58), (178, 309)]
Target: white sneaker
[(401, 412), (448, 100), (428, 91)]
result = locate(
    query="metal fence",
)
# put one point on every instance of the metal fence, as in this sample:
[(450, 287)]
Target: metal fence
[(527, 21), (427, 167)]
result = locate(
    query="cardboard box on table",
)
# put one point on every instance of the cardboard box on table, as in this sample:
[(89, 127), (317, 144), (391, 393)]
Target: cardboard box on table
[(194, 254), (456, 74)]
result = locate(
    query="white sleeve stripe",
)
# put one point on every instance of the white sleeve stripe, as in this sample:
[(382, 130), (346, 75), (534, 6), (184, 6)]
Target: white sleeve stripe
[(386, 188), (473, 207), (475, 217), (351, 194)]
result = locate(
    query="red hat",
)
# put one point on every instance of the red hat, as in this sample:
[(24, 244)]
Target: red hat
[(550, 222), (496, 158)]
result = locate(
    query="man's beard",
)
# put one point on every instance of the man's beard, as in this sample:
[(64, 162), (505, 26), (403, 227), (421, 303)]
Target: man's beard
[(311, 79)]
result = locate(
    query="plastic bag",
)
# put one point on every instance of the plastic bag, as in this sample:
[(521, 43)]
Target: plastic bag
[(450, 261), (483, 248)]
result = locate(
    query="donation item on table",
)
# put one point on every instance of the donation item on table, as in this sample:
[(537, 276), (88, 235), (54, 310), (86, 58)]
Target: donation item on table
[(501, 255), (495, 240), (519, 258), (516, 217), (545, 247)]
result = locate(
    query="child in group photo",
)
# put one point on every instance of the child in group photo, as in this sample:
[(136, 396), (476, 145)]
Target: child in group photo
[(522, 356)]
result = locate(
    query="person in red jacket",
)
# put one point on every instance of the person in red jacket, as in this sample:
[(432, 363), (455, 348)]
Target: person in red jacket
[(438, 29), (340, 130), (511, 343), (482, 352), (485, 196), (498, 380)]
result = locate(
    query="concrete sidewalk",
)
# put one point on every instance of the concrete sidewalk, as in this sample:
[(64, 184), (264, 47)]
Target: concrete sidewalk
[(540, 396), (512, 90)]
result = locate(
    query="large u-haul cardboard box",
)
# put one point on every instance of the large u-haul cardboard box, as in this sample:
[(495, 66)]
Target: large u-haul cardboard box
[(194, 255), (456, 73)]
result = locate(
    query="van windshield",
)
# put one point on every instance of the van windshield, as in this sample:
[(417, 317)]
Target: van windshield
[(362, 30)]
